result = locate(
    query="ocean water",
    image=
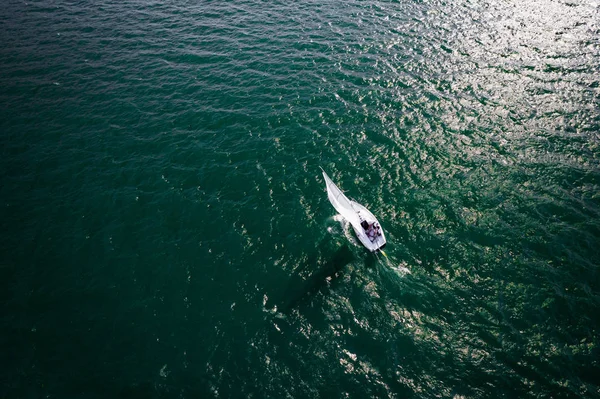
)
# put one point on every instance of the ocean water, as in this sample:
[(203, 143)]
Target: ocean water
[(165, 231)]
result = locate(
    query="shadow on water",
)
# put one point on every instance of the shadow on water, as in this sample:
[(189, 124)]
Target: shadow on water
[(235, 362), (372, 260), (315, 275), (251, 354)]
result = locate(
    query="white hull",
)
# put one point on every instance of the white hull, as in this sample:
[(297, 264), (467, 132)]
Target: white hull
[(379, 241)]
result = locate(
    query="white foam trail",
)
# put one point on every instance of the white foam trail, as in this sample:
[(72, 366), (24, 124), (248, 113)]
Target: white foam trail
[(346, 229), (401, 270)]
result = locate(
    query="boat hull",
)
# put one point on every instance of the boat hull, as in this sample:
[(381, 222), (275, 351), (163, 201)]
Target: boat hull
[(364, 214)]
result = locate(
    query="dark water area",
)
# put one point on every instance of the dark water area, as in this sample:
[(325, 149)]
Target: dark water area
[(165, 231)]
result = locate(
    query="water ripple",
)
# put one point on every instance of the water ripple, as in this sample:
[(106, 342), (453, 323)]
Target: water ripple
[(163, 211)]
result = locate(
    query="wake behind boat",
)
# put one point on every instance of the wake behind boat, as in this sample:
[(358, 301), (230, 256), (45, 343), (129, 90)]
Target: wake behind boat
[(364, 223)]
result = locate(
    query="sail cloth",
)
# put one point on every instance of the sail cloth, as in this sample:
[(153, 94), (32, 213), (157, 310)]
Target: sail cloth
[(340, 202)]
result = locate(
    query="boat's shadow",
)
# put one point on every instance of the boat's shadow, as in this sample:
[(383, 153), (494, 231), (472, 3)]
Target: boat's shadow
[(315, 275)]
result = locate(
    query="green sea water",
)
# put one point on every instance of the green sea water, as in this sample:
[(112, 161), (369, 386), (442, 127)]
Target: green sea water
[(165, 230)]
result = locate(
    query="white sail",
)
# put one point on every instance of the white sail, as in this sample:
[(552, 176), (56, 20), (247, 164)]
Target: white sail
[(340, 202)]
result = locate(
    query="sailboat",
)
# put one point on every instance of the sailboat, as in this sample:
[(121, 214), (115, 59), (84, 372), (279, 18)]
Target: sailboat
[(364, 223)]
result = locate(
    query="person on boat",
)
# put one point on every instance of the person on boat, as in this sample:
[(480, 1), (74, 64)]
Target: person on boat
[(371, 232), (371, 229)]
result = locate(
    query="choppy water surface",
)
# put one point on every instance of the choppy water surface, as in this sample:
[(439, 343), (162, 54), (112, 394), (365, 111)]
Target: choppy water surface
[(166, 233)]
